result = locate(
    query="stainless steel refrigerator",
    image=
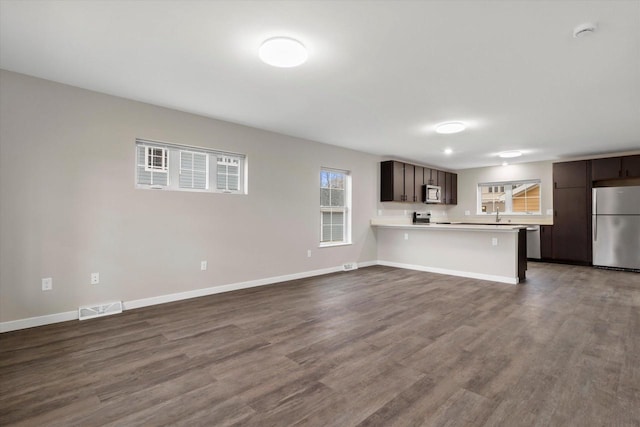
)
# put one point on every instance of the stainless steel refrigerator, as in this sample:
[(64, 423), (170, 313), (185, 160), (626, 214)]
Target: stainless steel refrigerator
[(616, 227)]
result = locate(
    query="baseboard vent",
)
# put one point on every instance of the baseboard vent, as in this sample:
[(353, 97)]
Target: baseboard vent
[(91, 311), (350, 266)]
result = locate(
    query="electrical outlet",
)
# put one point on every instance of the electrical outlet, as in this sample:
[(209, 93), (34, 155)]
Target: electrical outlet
[(379, 212), (406, 236), (203, 265), (494, 241), (95, 278), (47, 284), (467, 213), (549, 211), (308, 253)]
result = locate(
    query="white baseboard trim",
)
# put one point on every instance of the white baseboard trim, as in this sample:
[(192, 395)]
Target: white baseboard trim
[(502, 279), (31, 322)]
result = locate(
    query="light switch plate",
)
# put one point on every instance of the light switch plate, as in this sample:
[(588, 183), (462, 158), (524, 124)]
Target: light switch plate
[(47, 283)]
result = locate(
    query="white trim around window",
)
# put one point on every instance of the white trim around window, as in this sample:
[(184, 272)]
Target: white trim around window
[(174, 167), (335, 207), (510, 197)]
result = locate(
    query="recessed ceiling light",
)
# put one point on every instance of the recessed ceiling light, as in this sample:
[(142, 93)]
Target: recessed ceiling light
[(510, 154), (448, 151), (283, 52), (450, 127)]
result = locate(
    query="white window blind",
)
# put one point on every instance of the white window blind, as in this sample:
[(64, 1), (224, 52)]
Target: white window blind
[(152, 166), (194, 170), (167, 166), (228, 173)]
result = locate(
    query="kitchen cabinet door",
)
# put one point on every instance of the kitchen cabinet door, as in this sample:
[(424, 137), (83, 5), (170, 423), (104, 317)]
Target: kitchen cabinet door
[(427, 176), (441, 179), (409, 183), (391, 181), (571, 240), (418, 182), (631, 166), (571, 174), (609, 168), (447, 189), (546, 242), (454, 189)]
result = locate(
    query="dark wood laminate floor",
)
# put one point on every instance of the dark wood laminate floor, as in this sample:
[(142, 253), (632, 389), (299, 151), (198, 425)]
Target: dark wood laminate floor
[(378, 346)]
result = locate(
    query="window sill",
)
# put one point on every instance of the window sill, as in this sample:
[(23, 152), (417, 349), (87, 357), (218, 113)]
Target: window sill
[(330, 245), (509, 214)]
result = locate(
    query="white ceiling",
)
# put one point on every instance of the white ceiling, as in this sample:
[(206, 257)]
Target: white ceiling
[(380, 74)]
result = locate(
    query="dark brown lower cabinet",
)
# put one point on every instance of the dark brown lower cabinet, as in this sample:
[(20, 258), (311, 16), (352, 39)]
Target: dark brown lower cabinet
[(571, 237), (546, 241)]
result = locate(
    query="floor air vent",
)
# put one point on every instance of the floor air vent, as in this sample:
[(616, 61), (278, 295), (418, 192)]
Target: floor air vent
[(91, 311), (350, 266)]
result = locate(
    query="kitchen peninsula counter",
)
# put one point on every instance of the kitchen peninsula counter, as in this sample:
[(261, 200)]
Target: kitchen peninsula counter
[(487, 252)]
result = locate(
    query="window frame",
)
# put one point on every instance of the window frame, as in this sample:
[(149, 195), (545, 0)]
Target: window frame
[(508, 194), (345, 209), (173, 166)]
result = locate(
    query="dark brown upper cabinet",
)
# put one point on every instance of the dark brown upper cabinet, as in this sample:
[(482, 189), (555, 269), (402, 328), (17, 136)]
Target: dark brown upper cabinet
[(571, 174), (402, 182), (450, 188), (615, 168), (418, 183)]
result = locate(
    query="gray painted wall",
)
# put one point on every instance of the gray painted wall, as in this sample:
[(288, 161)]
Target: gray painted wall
[(69, 206)]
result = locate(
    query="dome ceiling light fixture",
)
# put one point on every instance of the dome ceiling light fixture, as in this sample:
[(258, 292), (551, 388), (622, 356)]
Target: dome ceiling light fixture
[(283, 52), (448, 151), (510, 154), (450, 127), (584, 30)]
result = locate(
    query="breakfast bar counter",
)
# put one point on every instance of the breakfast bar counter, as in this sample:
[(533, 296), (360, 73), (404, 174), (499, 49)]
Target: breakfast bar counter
[(488, 252)]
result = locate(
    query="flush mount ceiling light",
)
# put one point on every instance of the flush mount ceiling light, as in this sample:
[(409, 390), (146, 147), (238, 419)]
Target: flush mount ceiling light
[(448, 151), (283, 52), (450, 127), (584, 30), (505, 164), (510, 154)]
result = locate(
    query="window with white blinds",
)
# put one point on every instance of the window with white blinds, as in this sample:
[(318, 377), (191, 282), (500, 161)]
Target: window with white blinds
[(194, 170), (228, 174), (152, 166), (176, 167), (335, 202)]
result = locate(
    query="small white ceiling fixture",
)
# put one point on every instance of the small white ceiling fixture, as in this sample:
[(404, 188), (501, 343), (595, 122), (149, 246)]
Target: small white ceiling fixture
[(510, 154), (448, 151), (450, 127), (505, 164), (283, 52), (584, 29)]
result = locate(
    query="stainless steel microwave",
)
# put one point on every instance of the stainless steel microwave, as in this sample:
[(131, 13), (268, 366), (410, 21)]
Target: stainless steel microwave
[(431, 194)]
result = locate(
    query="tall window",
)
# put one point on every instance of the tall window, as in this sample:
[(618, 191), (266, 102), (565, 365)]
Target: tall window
[(167, 166), (335, 200), (512, 198)]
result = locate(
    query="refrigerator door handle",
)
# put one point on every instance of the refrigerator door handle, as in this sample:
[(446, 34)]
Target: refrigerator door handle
[(594, 218)]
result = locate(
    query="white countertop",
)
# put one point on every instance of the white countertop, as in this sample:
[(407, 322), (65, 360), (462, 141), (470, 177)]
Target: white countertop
[(500, 228)]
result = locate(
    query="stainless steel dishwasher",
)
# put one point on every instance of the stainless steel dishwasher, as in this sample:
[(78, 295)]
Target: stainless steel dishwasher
[(533, 241)]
